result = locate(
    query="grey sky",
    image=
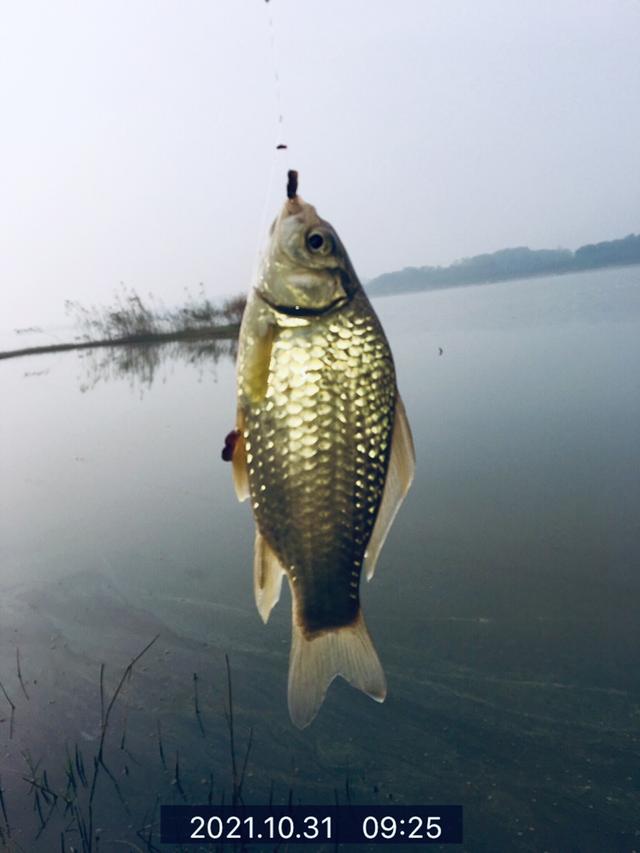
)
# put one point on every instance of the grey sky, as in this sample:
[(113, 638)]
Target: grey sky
[(138, 136)]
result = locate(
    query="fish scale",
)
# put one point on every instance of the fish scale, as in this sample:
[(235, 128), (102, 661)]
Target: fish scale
[(318, 457)]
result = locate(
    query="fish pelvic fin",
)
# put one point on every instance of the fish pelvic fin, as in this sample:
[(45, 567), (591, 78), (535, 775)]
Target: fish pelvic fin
[(402, 465), (239, 461), (315, 662), (267, 577)]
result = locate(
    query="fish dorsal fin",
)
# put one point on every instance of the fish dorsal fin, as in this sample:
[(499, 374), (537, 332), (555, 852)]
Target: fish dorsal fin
[(267, 576), (239, 462), (402, 464)]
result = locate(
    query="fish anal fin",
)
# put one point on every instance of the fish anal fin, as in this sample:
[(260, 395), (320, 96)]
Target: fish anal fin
[(402, 464), (316, 661), (267, 577)]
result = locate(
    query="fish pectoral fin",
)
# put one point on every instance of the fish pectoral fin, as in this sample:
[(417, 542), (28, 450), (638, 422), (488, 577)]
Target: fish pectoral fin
[(315, 662), (257, 362), (402, 465), (267, 577), (239, 462)]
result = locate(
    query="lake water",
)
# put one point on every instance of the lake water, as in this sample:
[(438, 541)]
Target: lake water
[(504, 607)]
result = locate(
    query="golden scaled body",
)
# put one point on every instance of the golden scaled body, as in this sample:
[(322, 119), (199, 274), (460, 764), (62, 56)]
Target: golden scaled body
[(317, 431), (324, 450)]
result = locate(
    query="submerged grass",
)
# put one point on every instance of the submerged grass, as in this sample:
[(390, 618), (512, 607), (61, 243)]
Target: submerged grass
[(69, 809), (79, 794)]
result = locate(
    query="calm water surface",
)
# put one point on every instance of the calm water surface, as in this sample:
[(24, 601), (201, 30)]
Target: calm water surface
[(504, 607)]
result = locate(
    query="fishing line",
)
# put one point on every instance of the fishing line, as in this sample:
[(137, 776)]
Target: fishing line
[(280, 144), (280, 149)]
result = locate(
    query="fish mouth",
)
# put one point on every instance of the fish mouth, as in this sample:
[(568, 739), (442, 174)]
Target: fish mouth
[(301, 310)]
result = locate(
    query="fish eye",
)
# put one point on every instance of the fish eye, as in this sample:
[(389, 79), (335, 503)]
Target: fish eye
[(318, 242)]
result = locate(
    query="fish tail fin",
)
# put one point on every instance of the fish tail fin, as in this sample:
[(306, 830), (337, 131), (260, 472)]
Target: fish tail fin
[(315, 662)]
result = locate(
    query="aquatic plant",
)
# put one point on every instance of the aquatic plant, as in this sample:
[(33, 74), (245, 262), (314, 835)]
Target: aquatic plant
[(131, 317), (74, 804)]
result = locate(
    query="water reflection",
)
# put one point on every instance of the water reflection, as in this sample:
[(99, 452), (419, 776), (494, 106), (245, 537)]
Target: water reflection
[(142, 364)]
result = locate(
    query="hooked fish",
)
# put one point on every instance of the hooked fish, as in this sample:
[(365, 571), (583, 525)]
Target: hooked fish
[(322, 448)]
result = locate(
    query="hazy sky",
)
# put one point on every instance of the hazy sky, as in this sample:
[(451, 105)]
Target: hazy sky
[(137, 136)]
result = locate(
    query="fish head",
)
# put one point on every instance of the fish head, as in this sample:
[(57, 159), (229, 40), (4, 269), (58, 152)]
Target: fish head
[(306, 269)]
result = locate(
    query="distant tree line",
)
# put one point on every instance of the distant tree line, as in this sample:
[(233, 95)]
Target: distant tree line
[(520, 262)]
